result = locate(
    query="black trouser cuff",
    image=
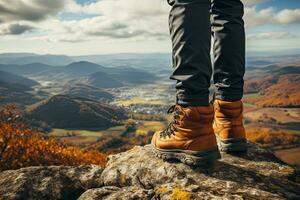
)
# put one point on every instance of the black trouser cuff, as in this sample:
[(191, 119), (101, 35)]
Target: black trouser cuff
[(229, 96), (193, 100)]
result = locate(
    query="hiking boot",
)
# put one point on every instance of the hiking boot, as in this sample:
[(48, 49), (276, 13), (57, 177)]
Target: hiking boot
[(228, 126), (189, 138)]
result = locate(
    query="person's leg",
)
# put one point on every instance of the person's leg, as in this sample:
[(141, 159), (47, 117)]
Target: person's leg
[(190, 137), (229, 48), (190, 31), (229, 68)]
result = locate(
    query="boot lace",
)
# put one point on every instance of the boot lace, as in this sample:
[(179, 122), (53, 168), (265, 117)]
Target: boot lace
[(170, 130)]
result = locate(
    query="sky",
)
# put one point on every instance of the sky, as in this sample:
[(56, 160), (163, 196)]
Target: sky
[(84, 27)]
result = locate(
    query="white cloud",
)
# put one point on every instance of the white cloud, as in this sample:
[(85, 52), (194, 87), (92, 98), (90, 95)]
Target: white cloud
[(15, 29), (115, 19), (254, 17), (120, 19), (121, 8), (288, 16), (252, 2), (269, 35), (31, 10), (110, 18), (142, 17)]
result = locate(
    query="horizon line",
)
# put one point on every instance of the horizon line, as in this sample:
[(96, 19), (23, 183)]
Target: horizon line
[(278, 52)]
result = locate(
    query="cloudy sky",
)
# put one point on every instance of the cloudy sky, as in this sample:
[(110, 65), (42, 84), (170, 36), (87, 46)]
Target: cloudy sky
[(80, 27)]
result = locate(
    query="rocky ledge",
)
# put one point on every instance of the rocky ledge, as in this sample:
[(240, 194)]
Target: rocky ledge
[(137, 174)]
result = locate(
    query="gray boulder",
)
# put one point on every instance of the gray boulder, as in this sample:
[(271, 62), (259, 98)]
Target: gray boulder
[(113, 192), (51, 182), (257, 175), (138, 174)]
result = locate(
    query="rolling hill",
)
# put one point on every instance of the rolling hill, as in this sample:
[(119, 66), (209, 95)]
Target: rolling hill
[(15, 79), (129, 75), (17, 89), (104, 77), (102, 80), (275, 86), (63, 111), (82, 72), (86, 91), (72, 71), (27, 58), (82, 68), (16, 93), (25, 70)]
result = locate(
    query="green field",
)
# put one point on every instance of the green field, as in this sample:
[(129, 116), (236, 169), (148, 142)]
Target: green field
[(142, 128), (86, 133), (80, 137), (146, 126), (136, 100), (252, 95)]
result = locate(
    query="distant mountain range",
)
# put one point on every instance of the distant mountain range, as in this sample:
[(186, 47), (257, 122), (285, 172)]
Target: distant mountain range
[(15, 79), (82, 72), (151, 62), (28, 58), (62, 111), (148, 61), (67, 92), (80, 102), (26, 69), (25, 84)]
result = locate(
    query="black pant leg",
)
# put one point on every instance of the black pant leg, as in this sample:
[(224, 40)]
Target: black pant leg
[(190, 31), (229, 48)]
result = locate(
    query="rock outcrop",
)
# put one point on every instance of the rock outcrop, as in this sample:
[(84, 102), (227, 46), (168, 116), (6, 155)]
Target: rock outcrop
[(138, 174), (51, 182)]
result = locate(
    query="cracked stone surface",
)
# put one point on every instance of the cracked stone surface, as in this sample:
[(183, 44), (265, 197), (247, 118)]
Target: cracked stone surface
[(138, 174), (53, 182), (258, 174)]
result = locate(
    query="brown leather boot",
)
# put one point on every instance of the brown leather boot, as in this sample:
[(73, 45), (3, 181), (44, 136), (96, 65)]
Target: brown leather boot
[(228, 126), (189, 137)]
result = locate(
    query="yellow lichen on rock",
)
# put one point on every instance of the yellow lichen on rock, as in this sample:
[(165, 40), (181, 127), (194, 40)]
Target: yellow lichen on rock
[(180, 194), (161, 190)]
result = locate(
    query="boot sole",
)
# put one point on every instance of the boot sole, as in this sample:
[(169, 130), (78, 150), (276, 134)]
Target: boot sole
[(232, 145), (193, 158)]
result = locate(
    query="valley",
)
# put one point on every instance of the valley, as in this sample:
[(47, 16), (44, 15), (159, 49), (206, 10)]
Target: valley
[(110, 107)]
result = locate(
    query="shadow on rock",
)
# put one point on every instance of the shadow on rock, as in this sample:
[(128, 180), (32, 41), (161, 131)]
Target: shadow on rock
[(257, 174)]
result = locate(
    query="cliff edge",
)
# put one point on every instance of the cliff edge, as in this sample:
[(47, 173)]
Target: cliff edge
[(138, 174)]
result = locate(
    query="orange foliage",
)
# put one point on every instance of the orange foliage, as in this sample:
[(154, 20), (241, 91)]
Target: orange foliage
[(270, 137), (283, 93), (20, 147)]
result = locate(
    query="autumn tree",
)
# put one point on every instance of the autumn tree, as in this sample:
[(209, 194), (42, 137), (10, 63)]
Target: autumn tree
[(21, 147)]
